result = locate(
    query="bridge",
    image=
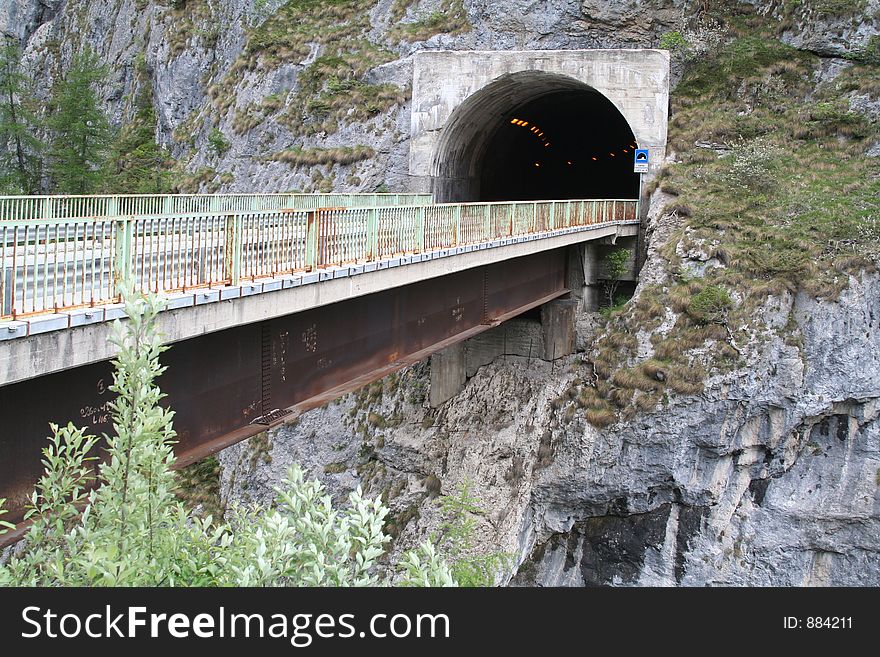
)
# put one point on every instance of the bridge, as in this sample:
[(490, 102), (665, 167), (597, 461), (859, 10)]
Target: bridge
[(277, 303)]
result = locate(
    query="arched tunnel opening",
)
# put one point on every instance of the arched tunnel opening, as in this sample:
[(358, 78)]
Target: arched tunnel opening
[(535, 135)]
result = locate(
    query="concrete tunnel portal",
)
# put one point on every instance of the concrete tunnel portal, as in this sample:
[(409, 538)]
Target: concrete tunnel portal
[(535, 135), (474, 115)]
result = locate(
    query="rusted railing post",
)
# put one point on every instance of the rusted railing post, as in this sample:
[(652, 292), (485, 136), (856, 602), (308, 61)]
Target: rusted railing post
[(233, 249), (420, 232), (122, 265), (311, 240), (372, 250)]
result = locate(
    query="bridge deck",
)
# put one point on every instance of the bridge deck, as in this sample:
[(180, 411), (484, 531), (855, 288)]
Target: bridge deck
[(51, 266)]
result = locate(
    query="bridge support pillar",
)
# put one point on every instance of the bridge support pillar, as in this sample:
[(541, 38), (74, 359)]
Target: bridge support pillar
[(558, 327), (593, 255), (448, 374), (590, 261)]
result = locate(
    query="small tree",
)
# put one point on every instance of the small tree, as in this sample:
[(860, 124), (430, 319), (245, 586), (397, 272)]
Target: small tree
[(137, 164), (675, 43), (20, 164), (80, 131), (217, 142), (469, 568), (616, 262), (133, 531)]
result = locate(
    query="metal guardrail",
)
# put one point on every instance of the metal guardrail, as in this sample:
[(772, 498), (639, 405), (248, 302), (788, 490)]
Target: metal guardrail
[(48, 265), (18, 208)]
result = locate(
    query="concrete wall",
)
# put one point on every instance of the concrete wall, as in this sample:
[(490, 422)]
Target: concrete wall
[(550, 338), (446, 88)]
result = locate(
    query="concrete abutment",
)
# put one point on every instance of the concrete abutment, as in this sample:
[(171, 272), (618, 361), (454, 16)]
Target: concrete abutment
[(550, 338)]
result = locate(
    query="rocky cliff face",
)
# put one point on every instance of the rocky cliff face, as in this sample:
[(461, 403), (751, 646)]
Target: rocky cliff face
[(769, 476)]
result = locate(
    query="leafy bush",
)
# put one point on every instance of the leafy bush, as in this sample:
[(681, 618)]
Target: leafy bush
[(753, 165), (674, 42), (133, 531), (217, 142)]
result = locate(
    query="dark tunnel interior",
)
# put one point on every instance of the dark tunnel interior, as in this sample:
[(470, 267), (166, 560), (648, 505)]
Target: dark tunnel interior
[(570, 143)]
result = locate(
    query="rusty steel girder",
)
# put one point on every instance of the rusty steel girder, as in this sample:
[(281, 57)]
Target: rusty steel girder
[(230, 385)]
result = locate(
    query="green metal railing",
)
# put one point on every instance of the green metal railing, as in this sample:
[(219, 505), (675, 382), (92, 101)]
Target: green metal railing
[(48, 265), (17, 208)]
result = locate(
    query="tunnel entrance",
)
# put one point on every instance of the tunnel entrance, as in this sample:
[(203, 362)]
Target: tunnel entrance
[(535, 135)]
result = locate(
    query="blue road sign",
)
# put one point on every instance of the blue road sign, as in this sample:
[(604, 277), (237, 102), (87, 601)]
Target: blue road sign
[(642, 160)]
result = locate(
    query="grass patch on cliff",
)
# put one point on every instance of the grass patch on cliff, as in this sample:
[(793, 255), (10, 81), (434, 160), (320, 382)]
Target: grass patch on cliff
[(450, 18), (190, 20), (774, 194), (317, 156), (794, 11), (775, 171), (198, 486), (205, 180), (252, 115), (332, 89), (399, 9)]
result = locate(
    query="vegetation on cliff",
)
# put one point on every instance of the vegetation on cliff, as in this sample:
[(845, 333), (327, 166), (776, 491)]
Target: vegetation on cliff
[(773, 194), (332, 88)]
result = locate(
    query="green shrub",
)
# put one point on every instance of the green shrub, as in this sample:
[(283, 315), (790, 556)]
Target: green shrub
[(753, 165), (217, 142), (674, 42), (616, 262), (710, 305)]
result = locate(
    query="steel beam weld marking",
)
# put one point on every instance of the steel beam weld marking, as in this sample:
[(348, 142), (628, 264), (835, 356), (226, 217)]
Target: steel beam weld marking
[(485, 319), (266, 368)]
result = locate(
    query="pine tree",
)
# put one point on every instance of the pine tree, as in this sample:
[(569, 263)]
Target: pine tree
[(137, 164), (20, 164), (81, 132)]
